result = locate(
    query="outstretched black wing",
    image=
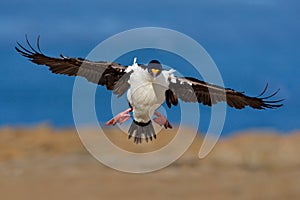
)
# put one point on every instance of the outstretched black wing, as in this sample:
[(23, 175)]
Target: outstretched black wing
[(193, 90), (109, 74)]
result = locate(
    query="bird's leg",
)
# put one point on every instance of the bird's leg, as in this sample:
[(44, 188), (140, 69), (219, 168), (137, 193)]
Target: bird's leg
[(120, 118), (162, 120)]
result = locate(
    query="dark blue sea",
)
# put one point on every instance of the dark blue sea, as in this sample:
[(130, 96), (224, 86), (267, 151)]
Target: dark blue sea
[(251, 42)]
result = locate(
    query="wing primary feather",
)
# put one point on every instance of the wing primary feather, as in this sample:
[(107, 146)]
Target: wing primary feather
[(27, 41), (276, 101), (263, 92), (38, 44), (272, 94), (25, 51)]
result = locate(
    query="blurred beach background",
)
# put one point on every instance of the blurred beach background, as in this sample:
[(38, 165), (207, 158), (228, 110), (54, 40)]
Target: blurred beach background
[(252, 43)]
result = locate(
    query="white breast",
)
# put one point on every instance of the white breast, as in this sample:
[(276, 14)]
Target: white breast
[(146, 94)]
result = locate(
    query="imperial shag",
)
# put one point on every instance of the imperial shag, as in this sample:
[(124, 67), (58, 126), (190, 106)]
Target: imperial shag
[(148, 87)]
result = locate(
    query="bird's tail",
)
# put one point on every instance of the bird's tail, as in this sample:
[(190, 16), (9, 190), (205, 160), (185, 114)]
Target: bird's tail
[(140, 129)]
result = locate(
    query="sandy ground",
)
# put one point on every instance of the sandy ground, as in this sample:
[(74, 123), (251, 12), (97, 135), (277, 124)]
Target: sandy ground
[(44, 163)]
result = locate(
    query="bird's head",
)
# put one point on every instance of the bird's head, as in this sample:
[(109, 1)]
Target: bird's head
[(154, 68)]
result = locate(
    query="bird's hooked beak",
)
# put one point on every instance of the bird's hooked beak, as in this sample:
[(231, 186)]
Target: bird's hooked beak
[(155, 72)]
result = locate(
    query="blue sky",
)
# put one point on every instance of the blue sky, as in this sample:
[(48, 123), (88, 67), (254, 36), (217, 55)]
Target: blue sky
[(252, 42)]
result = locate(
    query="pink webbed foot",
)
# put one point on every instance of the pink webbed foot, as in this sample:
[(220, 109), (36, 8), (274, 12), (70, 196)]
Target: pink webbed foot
[(120, 118), (162, 120)]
